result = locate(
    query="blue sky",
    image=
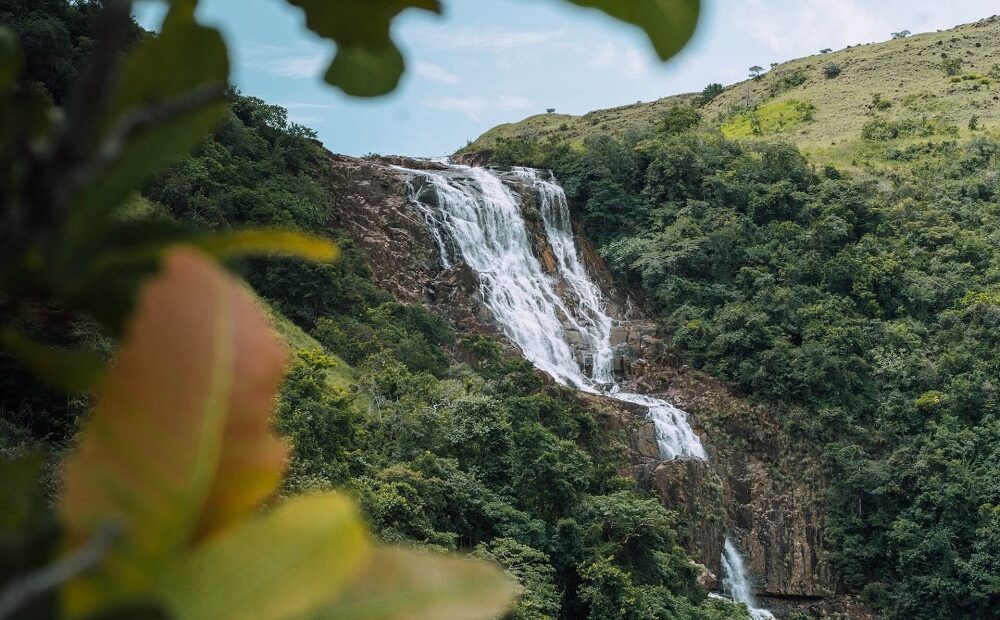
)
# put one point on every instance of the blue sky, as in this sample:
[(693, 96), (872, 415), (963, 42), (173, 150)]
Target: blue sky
[(487, 62)]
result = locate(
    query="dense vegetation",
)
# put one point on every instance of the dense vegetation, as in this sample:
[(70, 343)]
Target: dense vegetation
[(477, 456), (867, 312)]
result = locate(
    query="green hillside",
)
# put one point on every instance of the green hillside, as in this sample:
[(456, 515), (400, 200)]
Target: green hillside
[(900, 89)]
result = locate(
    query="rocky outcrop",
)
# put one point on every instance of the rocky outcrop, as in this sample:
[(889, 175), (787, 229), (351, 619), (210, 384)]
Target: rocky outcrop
[(693, 489), (373, 209)]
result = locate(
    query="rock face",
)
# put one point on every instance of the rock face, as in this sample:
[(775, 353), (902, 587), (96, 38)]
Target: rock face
[(695, 491), (759, 486)]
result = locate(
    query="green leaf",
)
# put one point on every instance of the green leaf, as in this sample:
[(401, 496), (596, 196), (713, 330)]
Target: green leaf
[(70, 370), (179, 445), (19, 492), (364, 72), (669, 24), (281, 565), (10, 58), (400, 584), (367, 63), (172, 95)]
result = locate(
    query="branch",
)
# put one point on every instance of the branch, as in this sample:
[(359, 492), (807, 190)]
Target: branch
[(21, 591), (137, 121)]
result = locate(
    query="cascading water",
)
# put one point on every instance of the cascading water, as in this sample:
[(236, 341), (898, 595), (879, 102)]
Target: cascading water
[(735, 583), (475, 217)]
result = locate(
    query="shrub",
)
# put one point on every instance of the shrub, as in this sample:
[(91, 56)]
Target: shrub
[(951, 66), (679, 119), (831, 70), (709, 93)]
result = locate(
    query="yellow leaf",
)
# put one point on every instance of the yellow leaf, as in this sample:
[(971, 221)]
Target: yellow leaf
[(263, 241), (181, 416), (220, 245), (280, 565), (401, 584)]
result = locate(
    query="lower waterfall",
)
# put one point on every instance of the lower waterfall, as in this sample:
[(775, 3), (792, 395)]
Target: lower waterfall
[(475, 217), (735, 583)]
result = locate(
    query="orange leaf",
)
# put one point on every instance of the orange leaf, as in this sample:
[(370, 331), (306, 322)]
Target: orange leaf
[(179, 444)]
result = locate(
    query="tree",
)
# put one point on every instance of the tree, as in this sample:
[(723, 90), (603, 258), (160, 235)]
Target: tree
[(755, 71), (902, 34), (825, 50), (679, 118), (709, 93)]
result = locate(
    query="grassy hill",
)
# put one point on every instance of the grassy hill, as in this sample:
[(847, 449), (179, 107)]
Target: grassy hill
[(889, 95)]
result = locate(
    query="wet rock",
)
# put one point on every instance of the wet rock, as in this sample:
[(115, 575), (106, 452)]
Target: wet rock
[(691, 488), (707, 580)]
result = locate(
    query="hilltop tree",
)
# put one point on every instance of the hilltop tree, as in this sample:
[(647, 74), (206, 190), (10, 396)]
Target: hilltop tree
[(709, 93), (902, 34), (755, 71), (825, 50)]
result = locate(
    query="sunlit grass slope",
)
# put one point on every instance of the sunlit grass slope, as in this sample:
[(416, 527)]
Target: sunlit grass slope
[(901, 89)]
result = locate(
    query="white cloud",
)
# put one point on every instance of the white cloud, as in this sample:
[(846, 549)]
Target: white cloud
[(807, 24), (476, 39), (630, 62), (296, 66), (476, 107), (435, 73)]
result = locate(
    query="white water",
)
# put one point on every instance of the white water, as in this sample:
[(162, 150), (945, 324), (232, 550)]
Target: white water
[(735, 583), (475, 217)]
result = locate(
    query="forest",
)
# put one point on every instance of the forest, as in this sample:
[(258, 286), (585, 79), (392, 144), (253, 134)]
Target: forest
[(865, 311)]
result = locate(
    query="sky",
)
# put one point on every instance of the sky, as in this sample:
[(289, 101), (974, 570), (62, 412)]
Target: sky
[(486, 62)]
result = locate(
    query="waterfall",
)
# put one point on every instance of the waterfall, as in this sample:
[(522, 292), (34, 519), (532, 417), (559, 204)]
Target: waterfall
[(735, 583), (474, 215)]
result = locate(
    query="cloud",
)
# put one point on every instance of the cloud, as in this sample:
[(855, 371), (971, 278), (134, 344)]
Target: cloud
[(476, 107), (296, 67), (434, 73), (629, 61), (796, 28), (476, 39)]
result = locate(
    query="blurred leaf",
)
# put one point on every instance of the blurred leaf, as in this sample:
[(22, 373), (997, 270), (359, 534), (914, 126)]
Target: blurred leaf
[(10, 58), (179, 442), (263, 241), (185, 70), (400, 584), (280, 565), (669, 24), (147, 253), (366, 72), (73, 371), (19, 491), (367, 63)]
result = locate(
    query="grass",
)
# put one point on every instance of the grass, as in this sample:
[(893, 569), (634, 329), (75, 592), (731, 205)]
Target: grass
[(898, 81), (768, 119), (340, 376)]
